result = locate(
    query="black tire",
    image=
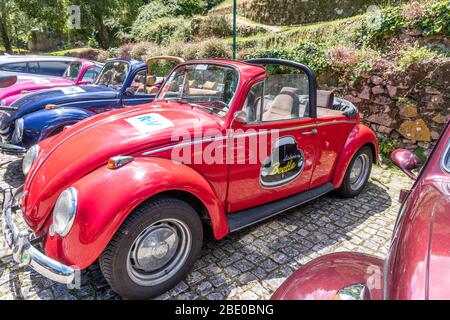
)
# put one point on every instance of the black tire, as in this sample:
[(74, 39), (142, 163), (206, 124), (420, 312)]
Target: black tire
[(348, 189), (115, 258)]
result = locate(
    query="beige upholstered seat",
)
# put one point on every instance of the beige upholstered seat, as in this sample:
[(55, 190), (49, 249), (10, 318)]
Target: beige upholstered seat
[(325, 100), (285, 106)]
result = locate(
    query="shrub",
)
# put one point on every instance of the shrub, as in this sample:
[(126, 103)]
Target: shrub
[(341, 58), (211, 26), (436, 20), (310, 53), (165, 30), (126, 50), (386, 148), (143, 50), (215, 48), (413, 54), (380, 25)]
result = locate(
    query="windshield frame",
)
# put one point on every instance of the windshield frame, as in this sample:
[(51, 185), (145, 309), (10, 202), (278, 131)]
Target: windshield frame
[(213, 63), (126, 76)]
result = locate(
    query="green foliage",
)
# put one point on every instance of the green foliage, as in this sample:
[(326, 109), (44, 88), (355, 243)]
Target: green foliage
[(436, 19), (414, 54), (380, 25), (386, 147), (211, 26), (161, 20), (215, 48), (420, 152), (310, 53), (165, 30)]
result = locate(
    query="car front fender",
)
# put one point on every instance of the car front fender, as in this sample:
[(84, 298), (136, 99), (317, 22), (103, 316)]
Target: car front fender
[(106, 197), (44, 123), (360, 136), (322, 278)]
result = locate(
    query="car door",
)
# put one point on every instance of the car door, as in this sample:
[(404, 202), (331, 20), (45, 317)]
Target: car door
[(135, 92), (276, 154)]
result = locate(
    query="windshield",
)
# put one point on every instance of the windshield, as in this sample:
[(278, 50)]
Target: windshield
[(114, 74), (208, 86), (72, 71)]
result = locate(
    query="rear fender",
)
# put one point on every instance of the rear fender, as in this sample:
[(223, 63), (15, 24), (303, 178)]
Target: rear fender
[(106, 197), (360, 136), (322, 278), (44, 123)]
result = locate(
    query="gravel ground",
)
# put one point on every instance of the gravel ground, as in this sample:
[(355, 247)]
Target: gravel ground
[(249, 264)]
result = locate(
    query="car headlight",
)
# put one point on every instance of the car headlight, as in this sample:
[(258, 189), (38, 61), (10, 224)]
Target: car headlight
[(29, 159), (18, 131), (64, 212)]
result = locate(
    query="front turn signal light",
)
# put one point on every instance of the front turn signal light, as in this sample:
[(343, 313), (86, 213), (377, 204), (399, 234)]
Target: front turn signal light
[(51, 106), (119, 161)]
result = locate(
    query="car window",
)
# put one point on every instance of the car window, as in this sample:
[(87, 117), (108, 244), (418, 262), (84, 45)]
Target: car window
[(208, 86), (33, 67), (114, 74), (53, 68), (14, 67), (253, 103), (73, 70), (89, 76), (141, 83), (285, 95)]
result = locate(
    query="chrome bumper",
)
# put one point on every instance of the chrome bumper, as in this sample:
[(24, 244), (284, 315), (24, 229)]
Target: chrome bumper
[(23, 252), (12, 149)]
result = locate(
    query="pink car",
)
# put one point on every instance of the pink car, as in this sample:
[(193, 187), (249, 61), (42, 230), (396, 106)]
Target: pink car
[(418, 263), (79, 72)]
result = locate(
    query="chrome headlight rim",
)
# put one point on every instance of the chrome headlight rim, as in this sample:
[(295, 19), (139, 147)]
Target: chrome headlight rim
[(18, 129), (64, 212), (29, 159)]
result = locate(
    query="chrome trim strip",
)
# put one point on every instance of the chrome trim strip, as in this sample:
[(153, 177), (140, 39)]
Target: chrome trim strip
[(187, 143), (88, 101)]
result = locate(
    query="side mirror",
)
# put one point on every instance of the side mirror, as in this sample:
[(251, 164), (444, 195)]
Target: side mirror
[(406, 161), (129, 92), (240, 116)]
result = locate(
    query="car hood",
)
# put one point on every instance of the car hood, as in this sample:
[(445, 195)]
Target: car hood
[(61, 95), (89, 144)]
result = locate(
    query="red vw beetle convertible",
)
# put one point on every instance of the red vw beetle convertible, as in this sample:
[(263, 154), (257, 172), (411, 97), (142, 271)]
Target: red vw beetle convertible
[(225, 143), (418, 264)]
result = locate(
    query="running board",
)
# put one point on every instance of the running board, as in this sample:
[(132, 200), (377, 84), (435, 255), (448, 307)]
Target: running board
[(242, 219)]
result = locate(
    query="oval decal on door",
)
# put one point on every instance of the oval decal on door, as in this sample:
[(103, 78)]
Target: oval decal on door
[(284, 165)]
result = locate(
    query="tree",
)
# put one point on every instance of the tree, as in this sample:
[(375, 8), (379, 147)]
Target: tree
[(4, 17), (100, 12)]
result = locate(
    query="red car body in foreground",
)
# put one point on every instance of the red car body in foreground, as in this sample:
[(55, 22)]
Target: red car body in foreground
[(418, 263), (112, 188), (79, 72)]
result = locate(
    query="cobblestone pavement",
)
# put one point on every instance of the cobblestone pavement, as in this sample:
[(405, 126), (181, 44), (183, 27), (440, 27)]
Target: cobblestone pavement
[(249, 264)]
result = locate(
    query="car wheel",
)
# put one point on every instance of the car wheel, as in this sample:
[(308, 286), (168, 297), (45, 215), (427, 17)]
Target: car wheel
[(358, 173), (153, 250)]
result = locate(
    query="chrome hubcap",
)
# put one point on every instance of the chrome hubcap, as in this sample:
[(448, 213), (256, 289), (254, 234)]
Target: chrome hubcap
[(159, 252), (359, 172)]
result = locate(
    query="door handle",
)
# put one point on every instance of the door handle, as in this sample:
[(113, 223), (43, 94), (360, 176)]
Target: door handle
[(312, 132)]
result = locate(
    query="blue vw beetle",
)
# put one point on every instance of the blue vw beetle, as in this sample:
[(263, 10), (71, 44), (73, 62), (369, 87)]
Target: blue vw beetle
[(39, 115)]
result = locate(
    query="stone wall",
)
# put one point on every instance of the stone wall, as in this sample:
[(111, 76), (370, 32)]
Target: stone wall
[(412, 108), (289, 12)]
